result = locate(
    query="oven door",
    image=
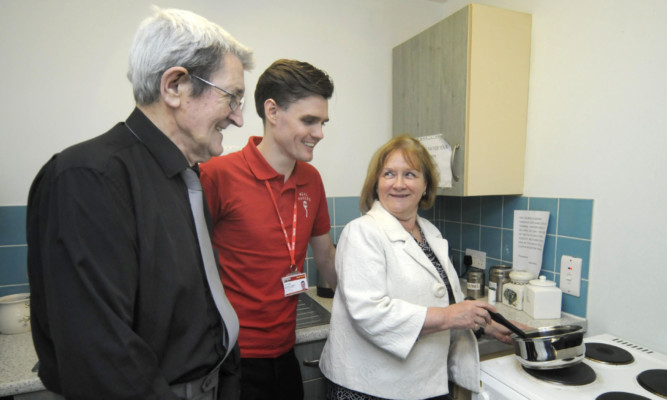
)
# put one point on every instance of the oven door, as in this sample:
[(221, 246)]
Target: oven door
[(493, 389)]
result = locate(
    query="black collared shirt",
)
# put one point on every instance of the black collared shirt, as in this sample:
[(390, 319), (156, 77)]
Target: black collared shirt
[(119, 300)]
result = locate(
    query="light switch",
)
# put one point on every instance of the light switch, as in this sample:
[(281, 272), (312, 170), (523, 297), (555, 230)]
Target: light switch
[(478, 258), (570, 275)]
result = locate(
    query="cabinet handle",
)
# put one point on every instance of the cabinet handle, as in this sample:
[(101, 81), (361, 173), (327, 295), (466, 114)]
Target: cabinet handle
[(451, 163), (312, 363)]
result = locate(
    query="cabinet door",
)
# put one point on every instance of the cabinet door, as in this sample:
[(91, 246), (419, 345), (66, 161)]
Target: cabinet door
[(466, 77), (430, 86), (308, 355), (315, 389), (314, 383), (499, 65)]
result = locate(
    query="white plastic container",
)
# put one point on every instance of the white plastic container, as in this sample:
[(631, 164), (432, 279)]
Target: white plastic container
[(542, 299), (15, 313), (513, 292)]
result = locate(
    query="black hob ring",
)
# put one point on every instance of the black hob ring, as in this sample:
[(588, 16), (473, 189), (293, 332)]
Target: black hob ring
[(574, 375)]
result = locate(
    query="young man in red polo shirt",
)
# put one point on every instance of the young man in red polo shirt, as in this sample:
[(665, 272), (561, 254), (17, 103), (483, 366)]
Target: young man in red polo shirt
[(268, 204)]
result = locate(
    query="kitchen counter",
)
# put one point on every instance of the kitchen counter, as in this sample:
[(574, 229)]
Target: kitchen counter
[(18, 357), (319, 332)]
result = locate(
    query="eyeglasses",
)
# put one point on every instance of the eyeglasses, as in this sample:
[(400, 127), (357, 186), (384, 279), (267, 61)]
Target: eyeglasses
[(234, 101)]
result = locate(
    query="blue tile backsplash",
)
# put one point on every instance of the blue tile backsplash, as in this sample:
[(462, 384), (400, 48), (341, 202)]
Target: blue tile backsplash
[(13, 251), (477, 223), (486, 224)]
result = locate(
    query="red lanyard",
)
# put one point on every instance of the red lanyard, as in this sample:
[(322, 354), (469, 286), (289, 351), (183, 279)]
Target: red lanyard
[(291, 248)]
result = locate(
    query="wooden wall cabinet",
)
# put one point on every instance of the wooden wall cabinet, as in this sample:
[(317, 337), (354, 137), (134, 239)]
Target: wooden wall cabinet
[(467, 78)]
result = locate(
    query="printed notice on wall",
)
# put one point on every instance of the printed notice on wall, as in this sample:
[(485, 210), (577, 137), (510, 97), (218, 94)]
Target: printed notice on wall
[(441, 152), (530, 230)]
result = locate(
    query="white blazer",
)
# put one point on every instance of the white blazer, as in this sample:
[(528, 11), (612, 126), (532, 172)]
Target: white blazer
[(385, 285)]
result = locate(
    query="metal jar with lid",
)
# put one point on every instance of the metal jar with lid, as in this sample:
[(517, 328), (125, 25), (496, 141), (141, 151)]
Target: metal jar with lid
[(498, 276), (475, 284)]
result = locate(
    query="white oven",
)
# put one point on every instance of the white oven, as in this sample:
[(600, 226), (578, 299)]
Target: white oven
[(613, 369)]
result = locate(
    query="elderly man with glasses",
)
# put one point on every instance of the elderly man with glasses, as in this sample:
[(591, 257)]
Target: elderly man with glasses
[(122, 304)]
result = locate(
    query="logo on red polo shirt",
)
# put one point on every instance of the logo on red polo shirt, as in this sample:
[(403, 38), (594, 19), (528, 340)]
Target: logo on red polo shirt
[(305, 201)]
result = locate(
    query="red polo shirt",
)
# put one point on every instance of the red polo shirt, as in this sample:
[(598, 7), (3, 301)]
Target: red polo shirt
[(252, 249)]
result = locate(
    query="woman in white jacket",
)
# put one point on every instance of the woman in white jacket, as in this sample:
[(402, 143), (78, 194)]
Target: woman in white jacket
[(399, 326)]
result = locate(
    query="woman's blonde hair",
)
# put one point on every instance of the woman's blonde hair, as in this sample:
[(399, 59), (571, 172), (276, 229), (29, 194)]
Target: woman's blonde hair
[(417, 157)]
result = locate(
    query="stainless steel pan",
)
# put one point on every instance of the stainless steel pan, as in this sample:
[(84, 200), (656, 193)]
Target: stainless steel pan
[(551, 347), (546, 348)]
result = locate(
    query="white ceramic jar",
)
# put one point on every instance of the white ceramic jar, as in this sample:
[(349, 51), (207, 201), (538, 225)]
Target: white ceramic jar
[(15, 313), (514, 290), (542, 299)]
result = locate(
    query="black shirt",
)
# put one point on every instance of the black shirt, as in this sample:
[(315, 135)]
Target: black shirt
[(119, 301)]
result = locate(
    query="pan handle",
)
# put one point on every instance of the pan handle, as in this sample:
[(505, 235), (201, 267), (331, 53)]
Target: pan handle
[(503, 321)]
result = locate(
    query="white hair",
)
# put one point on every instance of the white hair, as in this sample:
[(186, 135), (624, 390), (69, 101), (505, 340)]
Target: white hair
[(172, 38)]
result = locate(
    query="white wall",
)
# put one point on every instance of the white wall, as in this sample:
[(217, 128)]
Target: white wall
[(64, 66), (596, 123), (597, 129)]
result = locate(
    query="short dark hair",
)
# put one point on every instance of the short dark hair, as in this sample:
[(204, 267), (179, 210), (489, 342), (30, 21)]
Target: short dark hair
[(287, 81)]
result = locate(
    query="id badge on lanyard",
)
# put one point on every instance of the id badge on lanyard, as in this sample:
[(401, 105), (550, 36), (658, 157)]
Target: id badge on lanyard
[(294, 282)]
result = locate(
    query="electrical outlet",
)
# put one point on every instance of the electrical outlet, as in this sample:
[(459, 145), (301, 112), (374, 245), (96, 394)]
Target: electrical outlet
[(478, 258), (570, 275)]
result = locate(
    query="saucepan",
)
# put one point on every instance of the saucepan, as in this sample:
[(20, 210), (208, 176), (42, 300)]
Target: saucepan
[(546, 348)]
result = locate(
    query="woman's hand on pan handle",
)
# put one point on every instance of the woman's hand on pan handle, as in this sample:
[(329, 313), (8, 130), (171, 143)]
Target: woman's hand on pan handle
[(469, 314), (501, 333)]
